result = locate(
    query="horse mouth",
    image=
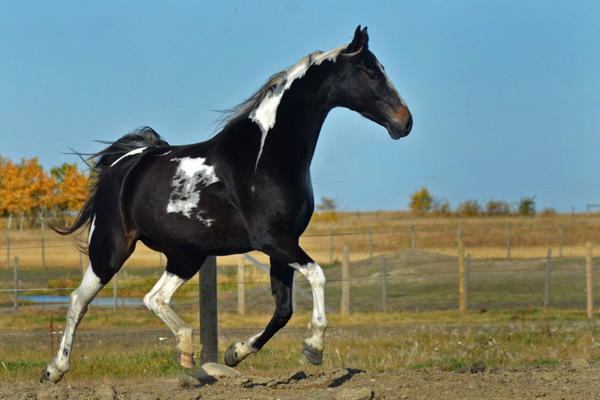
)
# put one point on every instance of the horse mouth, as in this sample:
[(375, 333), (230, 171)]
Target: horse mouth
[(399, 130)]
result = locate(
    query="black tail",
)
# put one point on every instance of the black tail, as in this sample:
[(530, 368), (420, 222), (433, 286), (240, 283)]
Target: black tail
[(101, 161)]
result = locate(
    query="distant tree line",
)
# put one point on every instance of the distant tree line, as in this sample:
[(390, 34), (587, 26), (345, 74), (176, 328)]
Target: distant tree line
[(422, 202), (29, 193)]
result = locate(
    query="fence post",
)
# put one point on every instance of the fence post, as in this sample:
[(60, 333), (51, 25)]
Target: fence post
[(547, 289), (412, 237), (560, 240), (241, 279), (160, 260), (294, 294), (208, 311), (467, 273), (370, 243), (115, 294), (345, 303), (330, 246), (459, 238), (16, 284), (383, 284), (43, 254), (461, 274), (508, 243), (8, 252), (590, 293)]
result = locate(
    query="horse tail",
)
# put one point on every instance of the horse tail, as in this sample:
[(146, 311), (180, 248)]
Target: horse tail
[(100, 162)]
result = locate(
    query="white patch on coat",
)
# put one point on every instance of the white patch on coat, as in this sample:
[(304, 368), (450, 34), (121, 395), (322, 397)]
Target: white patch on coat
[(390, 84), (92, 227), (164, 154), (264, 115), (192, 175), (131, 153)]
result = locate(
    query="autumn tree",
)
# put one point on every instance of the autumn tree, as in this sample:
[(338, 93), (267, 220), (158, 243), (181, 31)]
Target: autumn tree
[(71, 187), (421, 201)]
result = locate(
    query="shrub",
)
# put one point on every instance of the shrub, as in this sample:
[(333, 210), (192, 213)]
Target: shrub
[(469, 208), (497, 208), (526, 206)]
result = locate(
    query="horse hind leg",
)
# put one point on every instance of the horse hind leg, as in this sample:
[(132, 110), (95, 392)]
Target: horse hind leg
[(106, 258), (158, 299)]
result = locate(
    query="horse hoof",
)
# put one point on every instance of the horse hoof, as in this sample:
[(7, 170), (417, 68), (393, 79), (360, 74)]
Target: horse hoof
[(231, 356), (185, 359), (315, 357), (50, 374)]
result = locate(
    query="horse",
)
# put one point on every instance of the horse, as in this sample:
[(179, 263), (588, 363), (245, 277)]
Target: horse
[(246, 188)]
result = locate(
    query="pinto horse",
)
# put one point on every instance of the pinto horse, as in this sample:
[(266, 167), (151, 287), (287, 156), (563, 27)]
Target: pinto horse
[(247, 188)]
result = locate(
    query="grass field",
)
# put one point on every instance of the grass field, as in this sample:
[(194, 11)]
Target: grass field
[(505, 325)]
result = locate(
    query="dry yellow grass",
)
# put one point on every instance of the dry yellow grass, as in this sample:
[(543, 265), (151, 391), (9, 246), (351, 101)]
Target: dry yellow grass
[(484, 237)]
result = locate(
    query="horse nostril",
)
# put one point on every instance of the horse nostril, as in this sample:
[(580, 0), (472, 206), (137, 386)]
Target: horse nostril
[(409, 123)]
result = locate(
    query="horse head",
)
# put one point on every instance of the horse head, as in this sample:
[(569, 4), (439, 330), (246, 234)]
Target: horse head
[(364, 87)]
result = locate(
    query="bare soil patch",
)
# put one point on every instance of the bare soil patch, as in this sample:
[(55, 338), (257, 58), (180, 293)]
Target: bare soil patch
[(577, 379)]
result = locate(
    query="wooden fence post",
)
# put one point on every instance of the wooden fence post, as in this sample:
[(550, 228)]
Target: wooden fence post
[(547, 288), (8, 252), (412, 238), (383, 284), (43, 254), (16, 284), (370, 243), (560, 240), (459, 239), (590, 291), (508, 242), (294, 294), (467, 274), (208, 311), (330, 246), (345, 303), (241, 279), (461, 274)]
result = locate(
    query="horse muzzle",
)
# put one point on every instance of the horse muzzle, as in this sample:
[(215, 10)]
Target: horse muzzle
[(400, 124)]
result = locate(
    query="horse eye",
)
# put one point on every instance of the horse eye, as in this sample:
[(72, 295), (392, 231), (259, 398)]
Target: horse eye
[(374, 75)]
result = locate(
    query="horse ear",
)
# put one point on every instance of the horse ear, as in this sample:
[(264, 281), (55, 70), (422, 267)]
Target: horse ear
[(358, 42)]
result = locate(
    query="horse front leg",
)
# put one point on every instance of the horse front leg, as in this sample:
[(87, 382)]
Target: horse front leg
[(79, 301), (281, 286)]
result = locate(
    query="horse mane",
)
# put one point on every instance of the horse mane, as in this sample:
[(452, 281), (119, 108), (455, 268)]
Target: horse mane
[(243, 110), (100, 162)]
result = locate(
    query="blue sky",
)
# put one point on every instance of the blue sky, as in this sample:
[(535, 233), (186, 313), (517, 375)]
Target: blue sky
[(505, 95)]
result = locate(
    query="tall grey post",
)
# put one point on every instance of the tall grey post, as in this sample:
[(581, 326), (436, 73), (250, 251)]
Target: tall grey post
[(383, 284), (208, 311), (16, 284), (547, 288)]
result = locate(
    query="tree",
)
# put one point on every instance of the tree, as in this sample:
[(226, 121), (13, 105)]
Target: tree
[(421, 201), (497, 208), (71, 187), (526, 206)]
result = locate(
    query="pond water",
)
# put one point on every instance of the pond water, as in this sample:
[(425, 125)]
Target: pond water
[(98, 301)]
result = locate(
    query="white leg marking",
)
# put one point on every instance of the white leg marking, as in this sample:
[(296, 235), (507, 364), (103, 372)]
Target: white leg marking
[(318, 324), (185, 196), (79, 300), (131, 153), (157, 300), (243, 350)]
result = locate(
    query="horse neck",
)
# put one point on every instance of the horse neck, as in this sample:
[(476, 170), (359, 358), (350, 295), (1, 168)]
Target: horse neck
[(300, 117)]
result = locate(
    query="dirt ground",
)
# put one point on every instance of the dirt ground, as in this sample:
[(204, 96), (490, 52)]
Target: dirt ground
[(577, 379)]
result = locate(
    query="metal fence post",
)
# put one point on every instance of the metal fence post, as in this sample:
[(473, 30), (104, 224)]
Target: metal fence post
[(16, 284), (345, 303), (461, 274), (459, 238), (330, 246), (467, 273), (547, 288), (208, 311), (8, 252), (590, 287), (412, 237), (383, 284)]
